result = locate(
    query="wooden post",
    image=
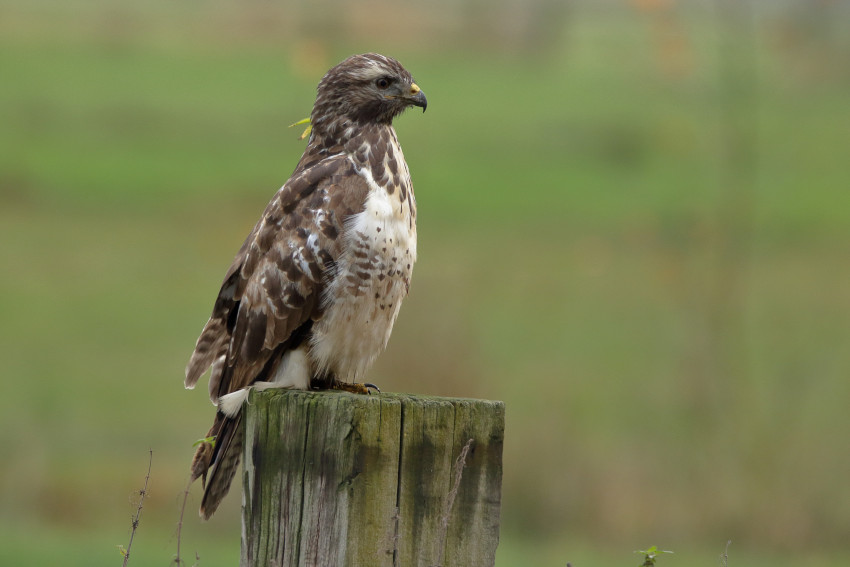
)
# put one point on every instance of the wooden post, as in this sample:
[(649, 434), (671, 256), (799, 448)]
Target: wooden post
[(336, 479)]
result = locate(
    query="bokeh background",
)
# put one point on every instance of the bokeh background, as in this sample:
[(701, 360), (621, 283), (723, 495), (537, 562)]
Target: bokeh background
[(634, 230)]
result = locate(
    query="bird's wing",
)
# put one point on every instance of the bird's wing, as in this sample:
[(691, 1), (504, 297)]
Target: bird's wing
[(274, 285)]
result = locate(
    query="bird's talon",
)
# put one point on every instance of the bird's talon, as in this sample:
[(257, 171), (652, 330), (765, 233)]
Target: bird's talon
[(354, 387)]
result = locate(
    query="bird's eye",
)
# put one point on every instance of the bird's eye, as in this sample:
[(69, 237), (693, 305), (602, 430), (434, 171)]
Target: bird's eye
[(382, 83)]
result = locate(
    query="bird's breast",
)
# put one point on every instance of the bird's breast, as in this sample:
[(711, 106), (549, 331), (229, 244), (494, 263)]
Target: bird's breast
[(372, 278)]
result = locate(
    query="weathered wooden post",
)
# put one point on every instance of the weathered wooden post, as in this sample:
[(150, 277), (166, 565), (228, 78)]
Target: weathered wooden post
[(335, 479)]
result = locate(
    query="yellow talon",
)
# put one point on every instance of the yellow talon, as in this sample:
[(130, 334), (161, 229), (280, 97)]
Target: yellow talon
[(355, 388)]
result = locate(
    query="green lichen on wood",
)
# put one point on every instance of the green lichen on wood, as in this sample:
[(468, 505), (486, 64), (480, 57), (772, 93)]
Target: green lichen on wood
[(342, 479)]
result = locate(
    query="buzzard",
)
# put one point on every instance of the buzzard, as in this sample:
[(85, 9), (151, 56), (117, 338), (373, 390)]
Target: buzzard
[(312, 295)]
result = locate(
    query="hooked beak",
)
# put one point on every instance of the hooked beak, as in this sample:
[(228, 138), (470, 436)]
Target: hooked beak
[(416, 97)]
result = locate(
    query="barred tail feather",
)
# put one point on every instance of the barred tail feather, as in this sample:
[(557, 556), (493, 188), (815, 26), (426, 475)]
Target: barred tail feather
[(227, 455), (208, 347)]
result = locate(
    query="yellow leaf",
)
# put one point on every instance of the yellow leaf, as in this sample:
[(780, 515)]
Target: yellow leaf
[(307, 130)]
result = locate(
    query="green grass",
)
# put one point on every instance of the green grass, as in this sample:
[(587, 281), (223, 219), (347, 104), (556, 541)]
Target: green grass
[(674, 363)]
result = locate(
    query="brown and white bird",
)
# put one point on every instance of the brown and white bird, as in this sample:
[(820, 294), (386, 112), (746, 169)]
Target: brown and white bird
[(313, 292)]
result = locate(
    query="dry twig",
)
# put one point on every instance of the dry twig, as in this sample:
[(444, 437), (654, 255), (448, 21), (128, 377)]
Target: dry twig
[(724, 557), (142, 493), (177, 561)]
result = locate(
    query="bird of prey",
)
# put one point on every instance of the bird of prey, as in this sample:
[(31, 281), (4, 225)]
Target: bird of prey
[(312, 295)]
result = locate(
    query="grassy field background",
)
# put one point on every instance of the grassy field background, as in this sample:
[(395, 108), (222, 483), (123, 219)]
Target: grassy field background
[(634, 230)]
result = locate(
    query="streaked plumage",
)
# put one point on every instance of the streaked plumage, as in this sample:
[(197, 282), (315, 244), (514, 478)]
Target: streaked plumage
[(314, 290)]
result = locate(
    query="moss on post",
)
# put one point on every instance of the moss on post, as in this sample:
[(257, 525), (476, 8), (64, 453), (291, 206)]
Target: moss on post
[(388, 480)]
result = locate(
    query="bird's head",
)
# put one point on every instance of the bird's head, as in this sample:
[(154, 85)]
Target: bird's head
[(364, 89)]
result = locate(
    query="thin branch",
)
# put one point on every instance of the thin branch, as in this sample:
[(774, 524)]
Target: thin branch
[(724, 557), (142, 493), (177, 561)]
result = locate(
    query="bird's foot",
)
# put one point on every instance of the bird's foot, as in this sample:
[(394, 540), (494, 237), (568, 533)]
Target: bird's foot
[(355, 387)]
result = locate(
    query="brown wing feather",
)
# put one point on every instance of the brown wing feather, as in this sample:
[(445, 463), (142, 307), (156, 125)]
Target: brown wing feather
[(275, 281), (285, 266), (272, 289), (213, 341)]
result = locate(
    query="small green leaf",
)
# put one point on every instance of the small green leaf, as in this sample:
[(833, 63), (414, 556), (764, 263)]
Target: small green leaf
[(307, 130), (650, 555), (652, 551), (210, 440)]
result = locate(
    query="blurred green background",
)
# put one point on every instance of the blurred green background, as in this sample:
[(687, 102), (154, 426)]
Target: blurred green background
[(634, 230)]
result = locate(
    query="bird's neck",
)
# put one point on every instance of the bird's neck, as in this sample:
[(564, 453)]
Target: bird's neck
[(376, 154), (365, 144)]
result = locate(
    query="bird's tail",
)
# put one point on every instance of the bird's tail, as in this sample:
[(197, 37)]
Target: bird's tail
[(216, 461)]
